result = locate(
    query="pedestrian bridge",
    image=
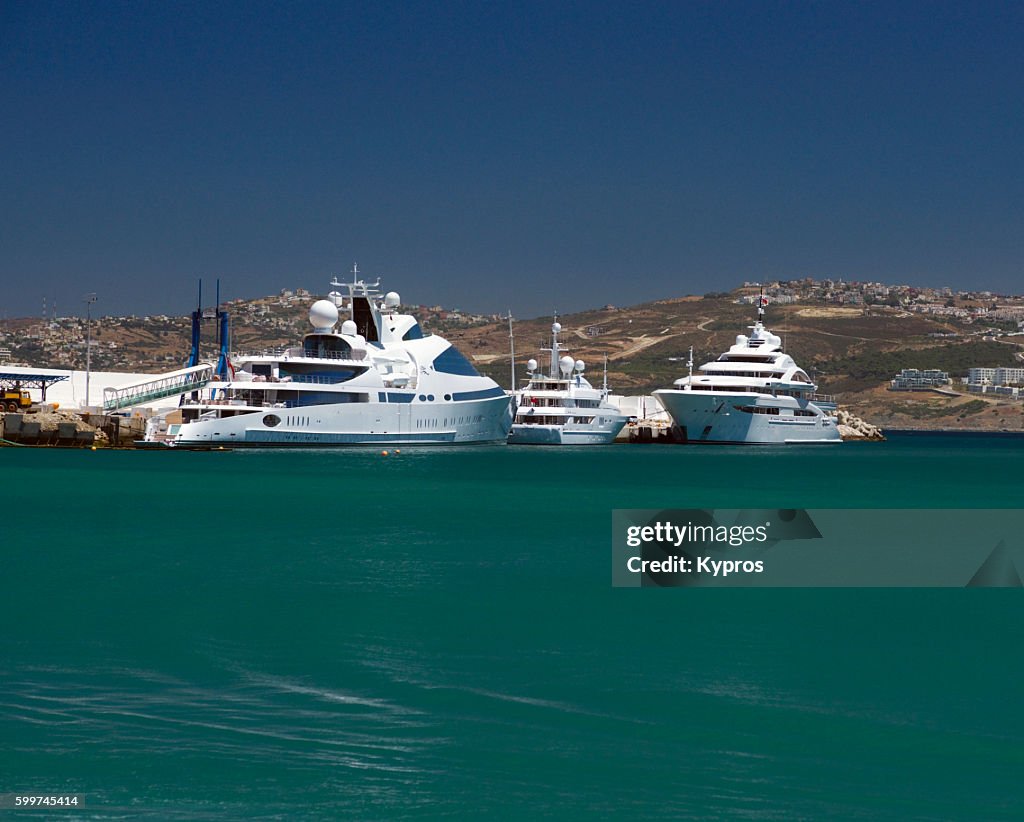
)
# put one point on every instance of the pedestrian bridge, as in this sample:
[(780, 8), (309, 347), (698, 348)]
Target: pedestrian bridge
[(158, 387)]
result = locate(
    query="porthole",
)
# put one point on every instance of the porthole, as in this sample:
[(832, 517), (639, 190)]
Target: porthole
[(448, 397), (423, 397), (430, 397), (271, 420)]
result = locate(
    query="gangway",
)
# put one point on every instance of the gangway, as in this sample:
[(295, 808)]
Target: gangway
[(158, 387)]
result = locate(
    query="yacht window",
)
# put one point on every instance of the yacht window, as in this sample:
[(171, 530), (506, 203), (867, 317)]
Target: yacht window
[(414, 333), (326, 346), (451, 361)]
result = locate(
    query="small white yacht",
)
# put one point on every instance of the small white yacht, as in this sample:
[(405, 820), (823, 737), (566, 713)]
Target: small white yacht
[(562, 407), (753, 393), (379, 380)]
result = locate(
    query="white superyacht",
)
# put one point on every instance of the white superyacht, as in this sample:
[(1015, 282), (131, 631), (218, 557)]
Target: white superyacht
[(562, 407), (379, 379), (753, 393)]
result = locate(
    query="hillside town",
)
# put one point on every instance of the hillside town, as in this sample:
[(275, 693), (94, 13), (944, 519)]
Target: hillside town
[(967, 307)]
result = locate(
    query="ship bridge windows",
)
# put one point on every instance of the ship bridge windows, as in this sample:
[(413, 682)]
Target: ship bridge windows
[(761, 374), (758, 358), (757, 409), (414, 333), (800, 376)]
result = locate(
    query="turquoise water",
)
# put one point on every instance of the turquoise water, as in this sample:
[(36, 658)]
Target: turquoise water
[(336, 634)]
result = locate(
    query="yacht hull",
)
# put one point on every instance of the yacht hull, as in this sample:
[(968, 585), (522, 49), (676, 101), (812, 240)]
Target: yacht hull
[(602, 433), (450, 423), (711, 417)]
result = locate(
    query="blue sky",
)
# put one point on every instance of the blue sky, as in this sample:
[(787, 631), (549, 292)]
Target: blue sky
[(555, 155)]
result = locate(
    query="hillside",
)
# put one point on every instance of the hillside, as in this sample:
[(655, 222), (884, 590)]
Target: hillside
[(853, 351)]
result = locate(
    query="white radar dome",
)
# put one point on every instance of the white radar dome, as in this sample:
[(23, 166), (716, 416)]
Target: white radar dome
[(323, 314), (531, 365), (556, 327), (392, 300), (349, 327), (580, 365), (741, 340), (336, 298), (566, 364)]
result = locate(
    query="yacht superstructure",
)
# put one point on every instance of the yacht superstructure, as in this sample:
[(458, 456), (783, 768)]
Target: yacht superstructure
[(753, 393), (377, 379)]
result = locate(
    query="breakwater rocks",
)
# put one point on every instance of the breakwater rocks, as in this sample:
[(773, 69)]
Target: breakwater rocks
[(48, 426), (852, 427), (45, 425)]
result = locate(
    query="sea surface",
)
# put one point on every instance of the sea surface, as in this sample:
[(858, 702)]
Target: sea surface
[(433, 634)]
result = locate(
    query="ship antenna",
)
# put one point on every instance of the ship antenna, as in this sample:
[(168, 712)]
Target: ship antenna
[(604, 386), (689, 364), (555, 328), (760, 305), (512, 349)]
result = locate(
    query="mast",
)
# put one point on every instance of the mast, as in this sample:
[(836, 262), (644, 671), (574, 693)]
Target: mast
[(555, 328), (762, 301), (512, 349), (689, 364)]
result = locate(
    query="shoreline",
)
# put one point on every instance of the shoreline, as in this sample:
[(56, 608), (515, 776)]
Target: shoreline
[(948, 431)]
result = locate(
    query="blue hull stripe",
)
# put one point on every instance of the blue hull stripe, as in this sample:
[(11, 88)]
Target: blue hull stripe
[(315, 438)]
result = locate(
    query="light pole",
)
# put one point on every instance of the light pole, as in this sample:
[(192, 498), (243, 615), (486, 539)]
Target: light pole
[(89, 300)]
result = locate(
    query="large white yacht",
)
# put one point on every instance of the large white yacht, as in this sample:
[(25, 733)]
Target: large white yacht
[(753, 393), (379, 379), (562, 407)]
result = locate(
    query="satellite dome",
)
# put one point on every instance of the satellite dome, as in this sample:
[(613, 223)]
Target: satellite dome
[(566, 364), (336, 298), (392, 300), (580, 365), (556, 327), (323, 314), (531, 365), (741, 340), (349, 328)]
